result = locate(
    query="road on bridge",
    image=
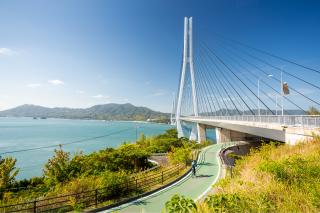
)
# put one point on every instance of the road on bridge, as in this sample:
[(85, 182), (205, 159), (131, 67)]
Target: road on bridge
[(191, 187)]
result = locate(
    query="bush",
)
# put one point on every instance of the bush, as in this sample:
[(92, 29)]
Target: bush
[(180, 155), (179, 204), (109, 169)]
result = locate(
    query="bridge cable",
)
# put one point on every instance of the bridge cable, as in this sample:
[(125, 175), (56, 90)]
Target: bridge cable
[(202, 59), (212, 90), (277, 68), (268, 85), (227, 110), (226, 91), (261, 60), (204, 87), (213, 53), (227, 86), (200, 95), (268, 53), (228, 82), (250, 81), (286, 73)]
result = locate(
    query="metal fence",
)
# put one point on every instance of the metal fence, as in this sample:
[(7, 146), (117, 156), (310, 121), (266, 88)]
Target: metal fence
[(309, 121), (92, 198)]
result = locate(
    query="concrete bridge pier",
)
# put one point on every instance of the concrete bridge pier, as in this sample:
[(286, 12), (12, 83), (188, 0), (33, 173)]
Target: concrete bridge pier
[(226, 135), (201, 133), (198, 133)]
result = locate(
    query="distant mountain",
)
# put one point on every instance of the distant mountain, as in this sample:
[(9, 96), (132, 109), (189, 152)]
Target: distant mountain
[(100, 112)]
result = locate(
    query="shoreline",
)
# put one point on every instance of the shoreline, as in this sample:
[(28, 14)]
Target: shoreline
[(79, 119)]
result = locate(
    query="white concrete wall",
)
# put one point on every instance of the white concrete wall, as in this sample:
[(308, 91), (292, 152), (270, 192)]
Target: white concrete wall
[(234, 130)]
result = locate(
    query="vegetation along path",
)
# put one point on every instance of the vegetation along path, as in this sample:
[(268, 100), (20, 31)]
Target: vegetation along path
[(192, 187)]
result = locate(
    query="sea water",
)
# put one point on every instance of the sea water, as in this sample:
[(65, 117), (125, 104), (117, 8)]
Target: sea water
[(22, 134)]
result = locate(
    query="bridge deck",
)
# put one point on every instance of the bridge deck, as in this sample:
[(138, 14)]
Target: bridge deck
[(207, 174)]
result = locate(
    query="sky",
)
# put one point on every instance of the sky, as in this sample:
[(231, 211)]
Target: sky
[(79, 53)]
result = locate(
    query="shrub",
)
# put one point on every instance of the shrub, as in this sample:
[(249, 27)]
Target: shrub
[(179, 204), (60, 168), (180, 155)]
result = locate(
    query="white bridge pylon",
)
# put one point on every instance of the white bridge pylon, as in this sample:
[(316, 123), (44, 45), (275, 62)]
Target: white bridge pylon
[(187, 61)]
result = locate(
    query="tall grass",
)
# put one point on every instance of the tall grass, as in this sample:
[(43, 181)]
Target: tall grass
[(273, 178)]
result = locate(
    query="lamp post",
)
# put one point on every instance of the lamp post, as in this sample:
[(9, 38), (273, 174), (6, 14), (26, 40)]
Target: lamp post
[(259, 96), (276, 104), (281, 92)]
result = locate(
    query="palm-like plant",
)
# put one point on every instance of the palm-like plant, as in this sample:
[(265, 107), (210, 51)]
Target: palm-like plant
[(8, 171)]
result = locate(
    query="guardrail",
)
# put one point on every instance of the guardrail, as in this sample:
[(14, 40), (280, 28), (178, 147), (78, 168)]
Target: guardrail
[(309, 121), (97, 196)]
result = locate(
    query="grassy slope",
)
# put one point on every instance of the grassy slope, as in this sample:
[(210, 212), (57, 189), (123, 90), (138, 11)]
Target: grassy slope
[(274, 178)]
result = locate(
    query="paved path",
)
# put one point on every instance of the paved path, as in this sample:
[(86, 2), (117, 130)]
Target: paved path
[(192, 187)]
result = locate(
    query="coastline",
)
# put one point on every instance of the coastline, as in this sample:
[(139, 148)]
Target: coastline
[(80, 119), (25, 132)]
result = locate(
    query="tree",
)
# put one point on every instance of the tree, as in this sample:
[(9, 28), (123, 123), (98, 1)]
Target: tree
[(313, 111), (60, 168), (180, 154), (8, 171)]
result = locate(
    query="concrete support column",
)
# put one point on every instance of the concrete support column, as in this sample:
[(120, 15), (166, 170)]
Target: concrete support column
[(194, 133), (201, 133), (223, 135), (179, 128), (198, 133)]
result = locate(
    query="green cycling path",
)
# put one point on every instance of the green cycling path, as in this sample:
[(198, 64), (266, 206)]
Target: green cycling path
[(191, 187)]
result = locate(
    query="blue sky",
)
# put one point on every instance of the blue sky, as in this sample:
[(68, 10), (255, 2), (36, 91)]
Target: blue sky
[(79, 53)]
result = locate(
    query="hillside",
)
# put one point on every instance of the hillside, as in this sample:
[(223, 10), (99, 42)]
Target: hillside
[(272, 178), (101, 112)]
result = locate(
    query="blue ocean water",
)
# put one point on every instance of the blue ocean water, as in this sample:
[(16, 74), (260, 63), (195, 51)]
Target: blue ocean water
[(28, 133), (210, 132)]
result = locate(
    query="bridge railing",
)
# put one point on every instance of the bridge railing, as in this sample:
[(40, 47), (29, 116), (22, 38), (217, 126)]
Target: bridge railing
[(309, 121)]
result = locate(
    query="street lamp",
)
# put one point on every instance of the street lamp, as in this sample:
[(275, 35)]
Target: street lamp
[(259, 93)]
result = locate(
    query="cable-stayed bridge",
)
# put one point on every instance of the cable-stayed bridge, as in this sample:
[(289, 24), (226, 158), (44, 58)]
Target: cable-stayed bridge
[(243, 92)]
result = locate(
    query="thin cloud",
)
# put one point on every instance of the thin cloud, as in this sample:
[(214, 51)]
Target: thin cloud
[(158, 93), (99, 96), (56, 82), (7, 51), (33, 85)]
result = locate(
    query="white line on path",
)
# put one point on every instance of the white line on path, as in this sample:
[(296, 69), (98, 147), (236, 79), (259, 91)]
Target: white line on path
[(214, 181)]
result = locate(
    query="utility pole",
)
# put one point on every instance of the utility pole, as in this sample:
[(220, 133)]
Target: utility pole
[(281, 90), (259, 96), (276, 104)]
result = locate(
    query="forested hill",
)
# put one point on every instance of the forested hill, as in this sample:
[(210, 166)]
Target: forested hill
[(101, 112)]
